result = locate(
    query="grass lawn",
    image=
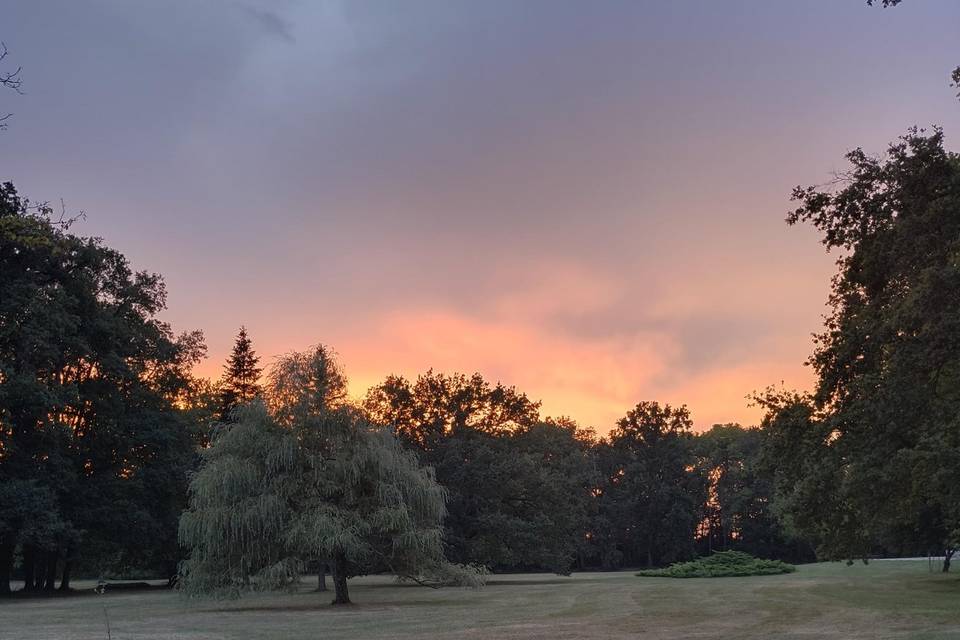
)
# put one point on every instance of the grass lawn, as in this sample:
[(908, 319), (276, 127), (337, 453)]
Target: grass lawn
[(887, 599)]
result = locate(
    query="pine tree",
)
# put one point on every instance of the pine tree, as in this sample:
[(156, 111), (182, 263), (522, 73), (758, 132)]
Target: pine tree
[(240, 382)]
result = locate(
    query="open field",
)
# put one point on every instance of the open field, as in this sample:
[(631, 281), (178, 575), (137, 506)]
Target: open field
[(882, 600)]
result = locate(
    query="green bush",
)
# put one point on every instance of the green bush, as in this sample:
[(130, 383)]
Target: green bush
[(722, 564)]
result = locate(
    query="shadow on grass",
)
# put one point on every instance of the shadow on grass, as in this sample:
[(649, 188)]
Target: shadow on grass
[(522, 582), (321, 605), (391, 585), (325, 606), (20, 594), (111, 589), (541, 581)]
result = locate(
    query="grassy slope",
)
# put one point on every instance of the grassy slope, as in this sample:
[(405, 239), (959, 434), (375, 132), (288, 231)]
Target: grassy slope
[(883, 600)]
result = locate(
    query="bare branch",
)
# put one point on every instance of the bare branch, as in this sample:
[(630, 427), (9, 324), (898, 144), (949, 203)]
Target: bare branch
[(10, 80), (66, 221)]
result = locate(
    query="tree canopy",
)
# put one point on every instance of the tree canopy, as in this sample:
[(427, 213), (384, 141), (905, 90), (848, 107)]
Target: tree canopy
[(882, 426), (738, 511), (519, 486), (305, 480), (650, 498), (95, 431)]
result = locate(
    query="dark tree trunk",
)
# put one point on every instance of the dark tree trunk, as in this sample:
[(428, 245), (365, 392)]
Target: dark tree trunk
[(173, 573), (65, 576), (341, 595), (39, 569), (6, 567), (947, 554), (322, 577), (50, 580), (29, 567)]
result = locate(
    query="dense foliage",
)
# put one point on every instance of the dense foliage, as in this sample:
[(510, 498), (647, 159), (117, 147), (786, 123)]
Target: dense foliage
[(722, 564), (528, 493), (102, 424), (519, 486), (305, 481), (870, 461), (739, 511), (96, 421), (650, 495)]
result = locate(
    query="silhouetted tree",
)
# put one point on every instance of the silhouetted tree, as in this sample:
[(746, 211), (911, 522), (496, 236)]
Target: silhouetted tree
[(240, 382), (437, 406), (519, 487), (94, 444), (738, 513), (808, 476), (888, 361), (651, 492)]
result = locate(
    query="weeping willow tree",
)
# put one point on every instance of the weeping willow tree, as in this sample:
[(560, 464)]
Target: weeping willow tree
[(305, 477)]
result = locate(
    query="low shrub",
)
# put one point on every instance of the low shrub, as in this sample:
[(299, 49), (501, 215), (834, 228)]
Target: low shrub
[(722, 564)]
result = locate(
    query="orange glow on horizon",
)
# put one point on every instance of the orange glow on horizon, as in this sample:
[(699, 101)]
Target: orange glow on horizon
[(594, 381)]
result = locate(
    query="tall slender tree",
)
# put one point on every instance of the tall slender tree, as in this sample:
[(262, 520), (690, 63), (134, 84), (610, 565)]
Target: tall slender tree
[(241, 380)]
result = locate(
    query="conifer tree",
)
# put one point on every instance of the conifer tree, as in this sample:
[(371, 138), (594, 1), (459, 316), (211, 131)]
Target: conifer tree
[(240, 382)]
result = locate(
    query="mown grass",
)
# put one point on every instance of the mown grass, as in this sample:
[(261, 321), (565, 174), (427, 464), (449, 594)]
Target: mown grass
[(723, 564), (883, 600)]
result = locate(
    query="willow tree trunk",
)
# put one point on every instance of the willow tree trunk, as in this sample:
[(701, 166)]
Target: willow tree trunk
[(341, 595)]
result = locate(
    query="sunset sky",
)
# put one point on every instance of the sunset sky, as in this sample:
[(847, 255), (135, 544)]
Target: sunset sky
[(582, 199)]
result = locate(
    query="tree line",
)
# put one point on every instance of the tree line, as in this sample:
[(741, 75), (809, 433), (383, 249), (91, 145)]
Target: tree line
[(103, 426), (109, 444)]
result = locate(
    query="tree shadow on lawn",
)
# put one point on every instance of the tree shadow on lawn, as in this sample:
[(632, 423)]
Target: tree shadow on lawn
[(325, 605), (112, 588), (523, 582)]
